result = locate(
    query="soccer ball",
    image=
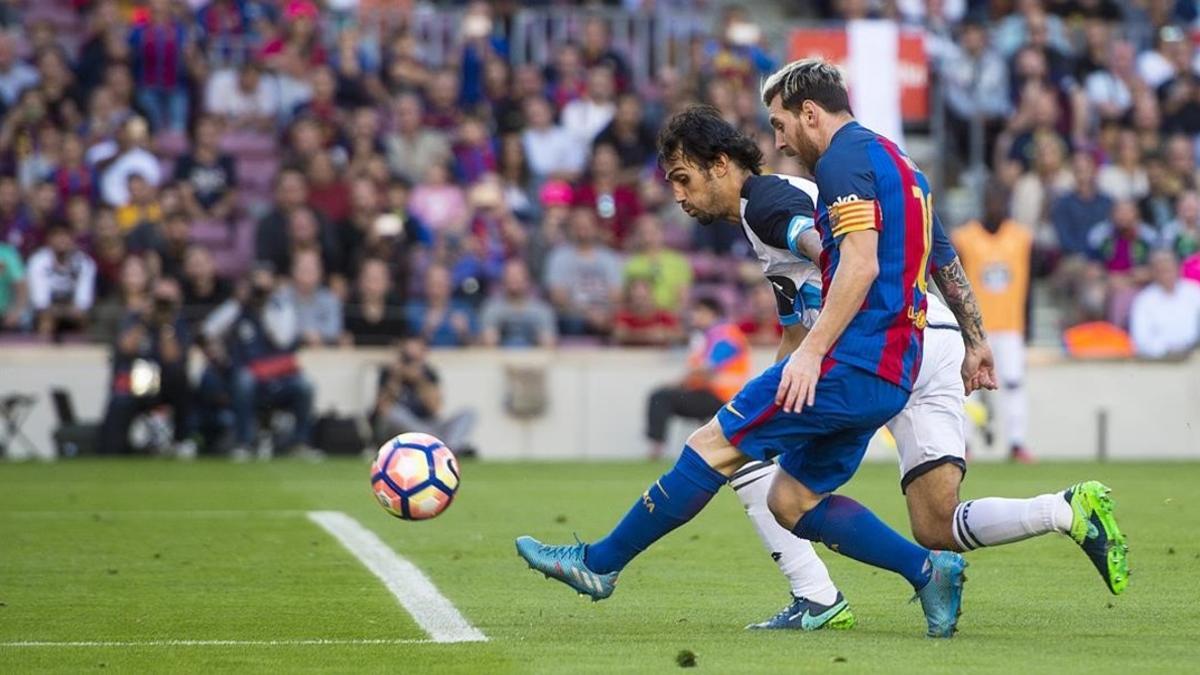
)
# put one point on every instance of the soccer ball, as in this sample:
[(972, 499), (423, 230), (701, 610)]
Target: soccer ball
[(414, 476)]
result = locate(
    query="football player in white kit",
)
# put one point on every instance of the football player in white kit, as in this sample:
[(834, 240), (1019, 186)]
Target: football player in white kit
[(706, 169)]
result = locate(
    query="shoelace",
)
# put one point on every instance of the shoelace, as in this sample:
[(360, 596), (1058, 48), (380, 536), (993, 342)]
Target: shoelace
[(786, 612)]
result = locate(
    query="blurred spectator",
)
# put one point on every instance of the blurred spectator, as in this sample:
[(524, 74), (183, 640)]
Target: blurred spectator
[(62, 282), (515, 178), (566, 75), (437, 318), (14, 298), (516, 317), (16, 226), (628, 134), (318, 310), (149, 370), (208, 175), (597, 49), (640, 322), (602, 191), (328, 192), (132, 157), (588, 115), (165, 242), (43, 157), (551, 150), (142, 207), (243, 98), (1182, 235), (667, 271), (161, 50), (439, 202), (203, 290), (273, 239), (760, 321), (1172, 55), (718, 365), (735, 53), (15, 75), (474, 153), (442, 111), (583, 277), (410, 399), (1077, 211), (258, 364), (996, 252), (1120, 249), (1125, 178), (1165, 319), (411, 147), (976, 81), (1110, 88), (1037, 188), (71, 174), (299, 40), (374, 316), (131, 295)]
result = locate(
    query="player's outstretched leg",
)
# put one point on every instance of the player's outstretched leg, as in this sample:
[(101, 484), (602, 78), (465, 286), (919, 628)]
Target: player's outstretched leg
[(1083, 511), (851, 529), (816, 602), (671, 501)]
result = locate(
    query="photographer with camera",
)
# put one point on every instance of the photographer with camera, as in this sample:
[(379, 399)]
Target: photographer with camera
[(409, 399), (259, 330), (149, 366)]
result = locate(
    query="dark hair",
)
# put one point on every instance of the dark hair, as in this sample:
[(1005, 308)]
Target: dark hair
[(813, 80), (711, 304), (701, 135)]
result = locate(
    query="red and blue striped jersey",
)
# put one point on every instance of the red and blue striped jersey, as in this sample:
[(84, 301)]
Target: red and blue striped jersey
[(866, 182)]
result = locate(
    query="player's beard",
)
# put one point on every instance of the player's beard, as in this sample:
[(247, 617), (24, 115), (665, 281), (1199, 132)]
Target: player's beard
[(804, 150)]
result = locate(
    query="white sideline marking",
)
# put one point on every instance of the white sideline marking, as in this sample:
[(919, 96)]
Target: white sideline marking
[(416, 593), (207, 643)]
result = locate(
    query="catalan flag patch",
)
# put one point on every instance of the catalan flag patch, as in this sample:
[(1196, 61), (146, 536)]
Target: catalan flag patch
[(853, 216)]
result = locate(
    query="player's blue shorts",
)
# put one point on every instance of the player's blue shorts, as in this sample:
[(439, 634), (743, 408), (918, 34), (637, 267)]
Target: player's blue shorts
[(822, 445)]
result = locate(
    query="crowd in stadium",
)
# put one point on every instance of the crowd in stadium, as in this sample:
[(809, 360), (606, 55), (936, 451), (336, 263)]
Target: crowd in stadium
[(479, 203), (185, 155)]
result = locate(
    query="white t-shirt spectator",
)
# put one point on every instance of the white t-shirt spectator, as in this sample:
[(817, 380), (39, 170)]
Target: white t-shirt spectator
[(52, 282), (222, 96), (1166, 322), (114, 182), (1121, 184), (16, 79), (554, 150), (591, 280), (586, 119), (1104, 88)]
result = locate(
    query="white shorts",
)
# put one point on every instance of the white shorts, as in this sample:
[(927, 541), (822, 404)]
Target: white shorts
[(931, 430)]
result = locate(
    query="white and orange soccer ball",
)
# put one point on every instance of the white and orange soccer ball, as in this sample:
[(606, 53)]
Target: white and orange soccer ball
[(414, 476)]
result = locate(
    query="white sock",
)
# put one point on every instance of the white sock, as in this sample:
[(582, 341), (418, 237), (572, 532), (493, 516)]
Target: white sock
[(996, 520), (795, 556)]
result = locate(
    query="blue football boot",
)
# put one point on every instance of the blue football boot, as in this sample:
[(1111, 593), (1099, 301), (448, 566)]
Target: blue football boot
[(941, 598), (804, 614), (566, 564)]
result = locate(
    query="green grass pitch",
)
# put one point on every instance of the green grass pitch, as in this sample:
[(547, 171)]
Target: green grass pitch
[(151, 551)]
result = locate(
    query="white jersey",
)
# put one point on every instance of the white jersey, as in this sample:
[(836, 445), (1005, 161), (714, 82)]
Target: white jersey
[(776, 210)]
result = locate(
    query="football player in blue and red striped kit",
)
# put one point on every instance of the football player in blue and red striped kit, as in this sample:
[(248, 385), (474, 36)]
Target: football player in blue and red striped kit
[(818, 409)]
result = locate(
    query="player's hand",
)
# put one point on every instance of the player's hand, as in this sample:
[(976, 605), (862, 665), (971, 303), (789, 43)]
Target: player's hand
[(978, 368), (798, 382)]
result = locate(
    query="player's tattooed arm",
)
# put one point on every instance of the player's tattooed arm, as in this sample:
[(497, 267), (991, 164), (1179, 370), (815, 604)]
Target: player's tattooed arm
[(952, 281)]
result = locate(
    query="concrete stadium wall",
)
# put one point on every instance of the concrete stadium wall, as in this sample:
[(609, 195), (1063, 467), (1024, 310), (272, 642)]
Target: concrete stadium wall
[(596, 399)]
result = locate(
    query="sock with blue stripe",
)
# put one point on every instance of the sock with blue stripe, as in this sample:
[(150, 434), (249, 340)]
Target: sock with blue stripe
[(851, 529), (671, 501)]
